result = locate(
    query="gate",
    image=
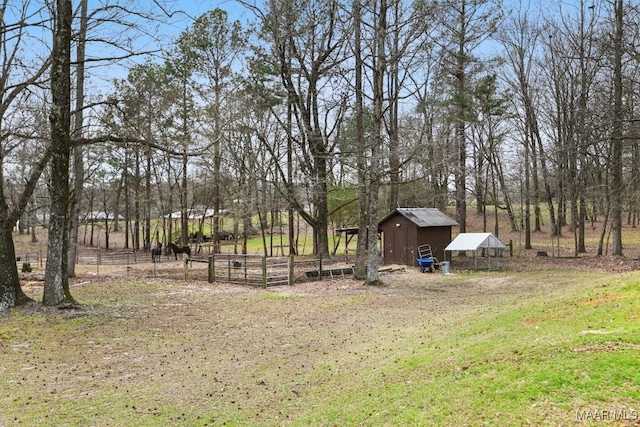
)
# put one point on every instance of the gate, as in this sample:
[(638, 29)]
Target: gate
[(253, 270)]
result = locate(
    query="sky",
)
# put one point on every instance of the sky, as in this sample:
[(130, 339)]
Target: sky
[(195, 8), (161, 33), (152, 36)]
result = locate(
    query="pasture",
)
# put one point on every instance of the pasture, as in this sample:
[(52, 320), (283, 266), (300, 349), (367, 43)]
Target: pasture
[(555, 346), (549, 341)]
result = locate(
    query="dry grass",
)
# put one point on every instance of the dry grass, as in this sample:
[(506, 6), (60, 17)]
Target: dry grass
[(165, 352)]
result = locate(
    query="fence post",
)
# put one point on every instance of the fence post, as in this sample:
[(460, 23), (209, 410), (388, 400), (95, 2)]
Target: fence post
[(291, 269), (186, 266), (264, 271), (211, 276)]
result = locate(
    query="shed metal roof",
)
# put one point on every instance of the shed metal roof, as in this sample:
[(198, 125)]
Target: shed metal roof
[(424, 217)]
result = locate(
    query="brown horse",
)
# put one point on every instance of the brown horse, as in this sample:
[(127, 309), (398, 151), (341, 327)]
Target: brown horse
[(179, 250), (156, 252)]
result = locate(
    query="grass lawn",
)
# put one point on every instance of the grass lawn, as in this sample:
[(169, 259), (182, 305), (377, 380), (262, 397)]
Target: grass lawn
[(509, 348)]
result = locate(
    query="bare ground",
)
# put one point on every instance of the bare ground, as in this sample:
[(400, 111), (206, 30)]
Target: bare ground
[(165, 351), (162, 350)]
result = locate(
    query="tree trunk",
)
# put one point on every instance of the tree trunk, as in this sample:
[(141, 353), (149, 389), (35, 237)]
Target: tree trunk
[(361, 157), (582, 219), (321, 243), (126, 181), (78, 154), (461, 177), (460, 125), (185, 159), (10, 292), (373, 277), (479, 157), (546, 178), (394, 99), (74, 221), (147, 210), (497, 163), (136, 201), (56, 284), (527, 195), (617, 184), (537, 211), (184, 215), (293, 247)]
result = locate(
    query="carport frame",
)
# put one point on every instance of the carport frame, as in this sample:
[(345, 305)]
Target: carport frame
[(465, 242)]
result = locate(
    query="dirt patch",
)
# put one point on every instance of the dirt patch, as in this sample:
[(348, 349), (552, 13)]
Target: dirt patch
[(606, 347), (595, 302)]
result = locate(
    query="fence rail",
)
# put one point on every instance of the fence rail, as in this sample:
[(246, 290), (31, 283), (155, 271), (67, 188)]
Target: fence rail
[(250, 269), (111, 257), (253, 270), (28, 256)]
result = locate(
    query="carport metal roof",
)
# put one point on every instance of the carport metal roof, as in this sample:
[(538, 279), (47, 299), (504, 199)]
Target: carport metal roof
[(474, 241)]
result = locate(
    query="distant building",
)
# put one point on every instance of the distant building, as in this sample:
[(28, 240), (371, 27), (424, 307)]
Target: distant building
[(101, 216)]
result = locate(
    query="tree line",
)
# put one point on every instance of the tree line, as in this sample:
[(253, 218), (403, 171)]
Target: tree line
[(332, 111)]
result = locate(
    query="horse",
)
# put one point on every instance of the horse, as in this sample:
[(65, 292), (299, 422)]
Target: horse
[(179, 250), (156, 252)]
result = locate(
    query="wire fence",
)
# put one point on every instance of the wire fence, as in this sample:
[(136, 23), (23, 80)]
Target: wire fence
[(253, 270)]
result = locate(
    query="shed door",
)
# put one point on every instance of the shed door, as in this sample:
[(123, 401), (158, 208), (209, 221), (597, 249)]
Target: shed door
[(399, 244)]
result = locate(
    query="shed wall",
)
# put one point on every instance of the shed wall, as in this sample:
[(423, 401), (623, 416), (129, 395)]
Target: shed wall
[(437, 237), (398, 240)]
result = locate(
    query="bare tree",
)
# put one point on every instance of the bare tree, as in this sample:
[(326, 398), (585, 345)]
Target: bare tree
[(56, 286), (307, 48), (489, 128), (617, 183), (403, 44), (375, 170), (16, 79), (216, 45), (361, 161), (520, 39), (78, 152), (467, 24)]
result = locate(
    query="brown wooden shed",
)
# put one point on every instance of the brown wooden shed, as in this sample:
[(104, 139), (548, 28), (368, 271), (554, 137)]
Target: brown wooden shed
[(404, 229)]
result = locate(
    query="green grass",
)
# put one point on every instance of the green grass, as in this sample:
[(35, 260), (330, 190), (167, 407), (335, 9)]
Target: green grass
[(535, 365), (255, 246), (373, 358)]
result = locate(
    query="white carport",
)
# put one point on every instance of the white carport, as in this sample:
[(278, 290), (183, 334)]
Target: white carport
[(474, 242)]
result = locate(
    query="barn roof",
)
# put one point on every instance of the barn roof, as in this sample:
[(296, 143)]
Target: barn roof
[(423, 217)]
